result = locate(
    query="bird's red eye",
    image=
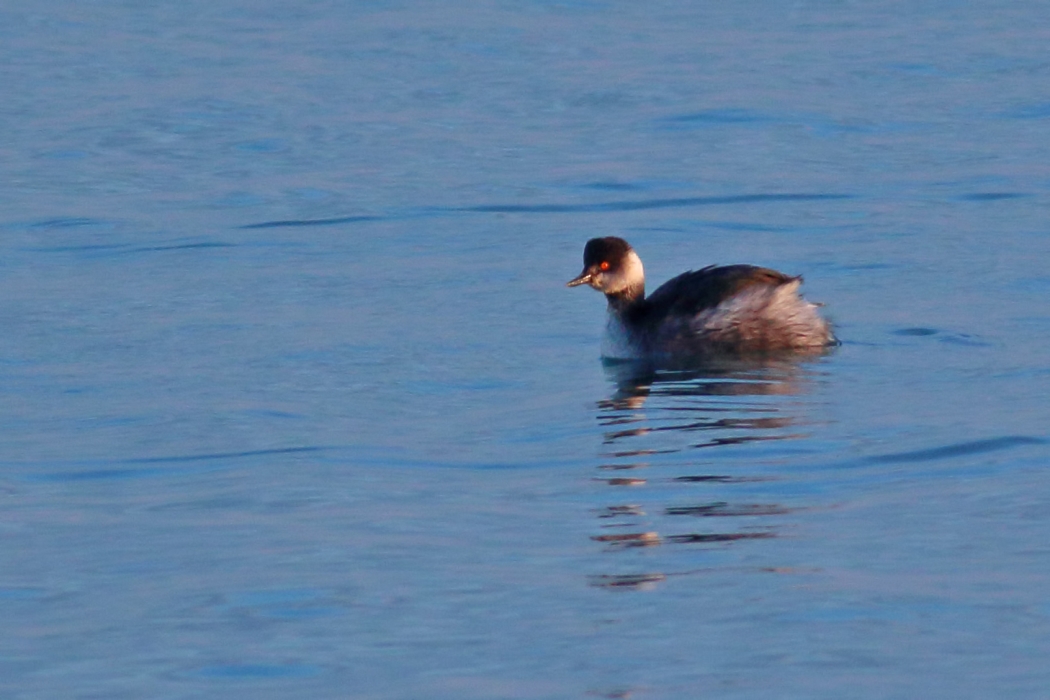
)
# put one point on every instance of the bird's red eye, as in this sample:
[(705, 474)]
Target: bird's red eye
[(604, 266)]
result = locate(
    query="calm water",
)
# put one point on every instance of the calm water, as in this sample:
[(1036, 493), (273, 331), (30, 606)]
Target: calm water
[(295, 402)]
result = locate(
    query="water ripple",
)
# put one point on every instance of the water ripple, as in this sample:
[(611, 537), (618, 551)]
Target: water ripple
[(634, 205), (314, 222), (107, 473), (580, 208), (991, 196), (961, 449), (182, 246)]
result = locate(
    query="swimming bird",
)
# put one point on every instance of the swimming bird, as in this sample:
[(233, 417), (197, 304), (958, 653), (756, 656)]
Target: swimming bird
[(717, 310)]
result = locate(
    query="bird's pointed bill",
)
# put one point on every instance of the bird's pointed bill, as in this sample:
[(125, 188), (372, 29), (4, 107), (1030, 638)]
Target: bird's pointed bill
[(584, 278)]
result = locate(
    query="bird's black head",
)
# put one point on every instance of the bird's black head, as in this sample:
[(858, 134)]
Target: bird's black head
[(611, 266)]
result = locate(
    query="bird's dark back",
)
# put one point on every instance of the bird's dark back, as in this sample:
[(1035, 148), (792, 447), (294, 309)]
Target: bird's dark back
[(697, 290)]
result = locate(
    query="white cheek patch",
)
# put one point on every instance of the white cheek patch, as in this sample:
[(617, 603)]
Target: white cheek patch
[(630, 275)]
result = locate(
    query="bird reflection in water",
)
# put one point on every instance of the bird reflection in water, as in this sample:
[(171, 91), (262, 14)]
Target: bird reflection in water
[(658, 428)]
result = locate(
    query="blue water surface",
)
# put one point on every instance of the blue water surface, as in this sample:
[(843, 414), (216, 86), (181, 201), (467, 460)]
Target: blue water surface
[(295, 402)]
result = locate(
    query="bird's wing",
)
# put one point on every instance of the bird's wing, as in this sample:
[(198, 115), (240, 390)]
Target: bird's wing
[(696, 290)]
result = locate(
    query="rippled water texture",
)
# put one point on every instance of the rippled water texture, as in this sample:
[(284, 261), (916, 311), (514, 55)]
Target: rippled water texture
[(295, 402)]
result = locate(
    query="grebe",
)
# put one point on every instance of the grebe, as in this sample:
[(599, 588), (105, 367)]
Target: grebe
[(733, 309)]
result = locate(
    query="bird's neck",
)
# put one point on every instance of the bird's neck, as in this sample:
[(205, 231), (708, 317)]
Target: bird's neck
[(626, 300), (629, 297)]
